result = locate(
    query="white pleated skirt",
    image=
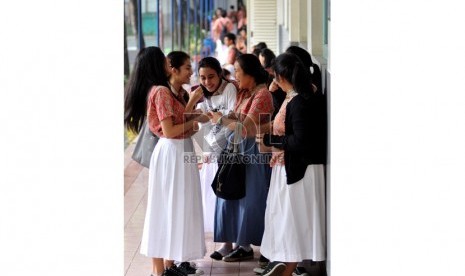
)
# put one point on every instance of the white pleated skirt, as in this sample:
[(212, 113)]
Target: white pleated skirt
[(207, 174), (173, 227), (295, 217)]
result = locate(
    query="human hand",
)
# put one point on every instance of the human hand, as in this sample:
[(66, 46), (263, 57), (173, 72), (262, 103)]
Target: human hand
[(195, 126), (196, 95), (273, 160), (203, 117), (261, 146), (259, 138), (314, 88), (273, 86), (215, 116)]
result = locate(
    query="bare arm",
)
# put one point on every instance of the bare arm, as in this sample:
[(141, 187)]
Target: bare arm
[(194, 97), (266, 127), (171, 130), (249, 128)]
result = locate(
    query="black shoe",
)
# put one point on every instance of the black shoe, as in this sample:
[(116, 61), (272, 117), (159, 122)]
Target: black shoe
[(238, 255), (263, 262), (274, 269), (173, 271), (186, 268), (216, 256), (300, 271)]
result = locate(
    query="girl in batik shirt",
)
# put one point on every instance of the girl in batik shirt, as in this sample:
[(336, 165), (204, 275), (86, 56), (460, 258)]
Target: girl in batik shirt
[(173, 228)]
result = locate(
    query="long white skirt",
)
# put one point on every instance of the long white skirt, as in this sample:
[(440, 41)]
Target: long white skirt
[(207, 173), (173, 227), (295, 217)]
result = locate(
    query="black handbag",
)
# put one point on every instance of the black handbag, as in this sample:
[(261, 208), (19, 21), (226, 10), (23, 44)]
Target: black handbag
[(229, 180), (145, 145)]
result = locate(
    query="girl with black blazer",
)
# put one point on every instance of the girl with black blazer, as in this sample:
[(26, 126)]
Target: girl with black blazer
[(295, 212)]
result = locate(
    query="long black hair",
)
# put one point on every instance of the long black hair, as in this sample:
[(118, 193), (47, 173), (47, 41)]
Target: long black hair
[(290, 67), (260, 45), (211, 62), (306, 58), (269, 57), (176, 59), (149, 70), (251, 66), (214, 64)]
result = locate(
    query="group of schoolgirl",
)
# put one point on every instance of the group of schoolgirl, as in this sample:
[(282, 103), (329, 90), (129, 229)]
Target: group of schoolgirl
[(283, 210)]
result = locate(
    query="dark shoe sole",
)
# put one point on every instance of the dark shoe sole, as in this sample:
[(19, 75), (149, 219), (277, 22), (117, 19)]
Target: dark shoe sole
[(238, 259)]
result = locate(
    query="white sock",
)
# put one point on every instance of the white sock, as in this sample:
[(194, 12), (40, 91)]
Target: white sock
[(246, 247), (225, 249)]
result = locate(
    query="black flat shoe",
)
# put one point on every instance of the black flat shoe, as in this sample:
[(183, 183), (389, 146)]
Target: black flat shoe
[(216, 256), (239, 255)]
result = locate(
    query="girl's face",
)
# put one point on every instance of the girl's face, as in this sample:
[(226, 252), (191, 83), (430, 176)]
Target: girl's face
[(184, 73), (283, 83), (244, 80), (262, 60), (209, 78), (227, 41)]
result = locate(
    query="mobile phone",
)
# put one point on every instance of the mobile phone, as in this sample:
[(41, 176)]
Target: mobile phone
[(193, 87), (206, 93)]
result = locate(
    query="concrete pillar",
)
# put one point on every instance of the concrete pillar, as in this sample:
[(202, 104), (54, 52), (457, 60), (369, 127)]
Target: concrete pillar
[(294, 21), (303, 22), (316, 12)]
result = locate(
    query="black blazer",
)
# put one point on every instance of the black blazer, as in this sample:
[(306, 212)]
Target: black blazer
[(305, 139)]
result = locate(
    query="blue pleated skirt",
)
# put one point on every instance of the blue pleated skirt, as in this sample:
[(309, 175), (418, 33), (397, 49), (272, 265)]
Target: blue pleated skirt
[(242, 221)]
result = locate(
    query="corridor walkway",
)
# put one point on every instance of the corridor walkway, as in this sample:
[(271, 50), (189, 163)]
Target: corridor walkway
[(135, 200)]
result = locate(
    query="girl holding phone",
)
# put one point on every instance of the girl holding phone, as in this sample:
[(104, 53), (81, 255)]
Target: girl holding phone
[(219, 95), (173, 227)]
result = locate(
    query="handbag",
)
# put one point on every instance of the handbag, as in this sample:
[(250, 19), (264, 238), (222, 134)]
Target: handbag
[(229, 180), (144, 146)]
